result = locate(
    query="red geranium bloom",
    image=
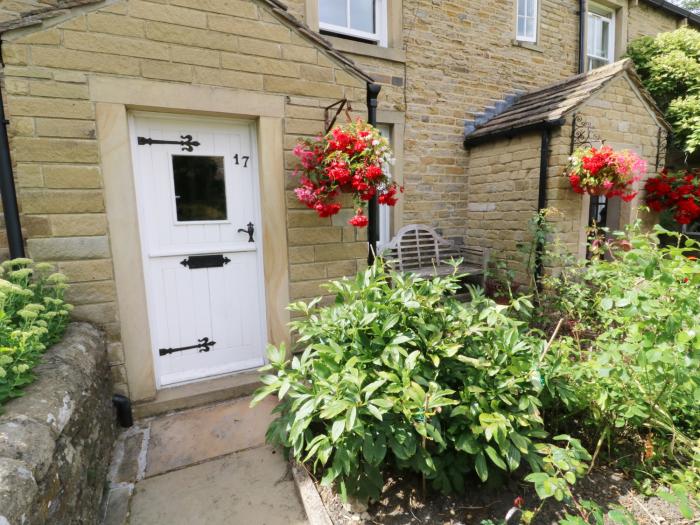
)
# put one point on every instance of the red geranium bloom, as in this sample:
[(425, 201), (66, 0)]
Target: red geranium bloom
[(359, 220), (349, 159)]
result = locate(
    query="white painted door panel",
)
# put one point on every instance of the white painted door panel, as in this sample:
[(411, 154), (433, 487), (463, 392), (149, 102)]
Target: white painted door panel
[(193, 203)]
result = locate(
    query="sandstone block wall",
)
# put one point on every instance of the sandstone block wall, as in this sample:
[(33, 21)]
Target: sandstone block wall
[(56, 441), (504, 178), (459, 58), (618, 117), (237, 44)]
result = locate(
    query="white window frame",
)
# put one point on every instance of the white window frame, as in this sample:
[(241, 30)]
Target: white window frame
[(385, 212), (380, 24), (535, 18), (611, 33)]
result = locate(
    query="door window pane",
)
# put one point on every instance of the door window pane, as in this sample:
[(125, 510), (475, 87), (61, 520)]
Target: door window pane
[(333, 12), (362, 15), (200, 188)]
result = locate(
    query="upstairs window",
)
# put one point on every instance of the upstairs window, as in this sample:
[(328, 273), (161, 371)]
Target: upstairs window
[(601, 36), (526, 30), (363, 20)]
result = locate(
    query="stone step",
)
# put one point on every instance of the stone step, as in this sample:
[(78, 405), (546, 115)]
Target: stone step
[(199, 394)]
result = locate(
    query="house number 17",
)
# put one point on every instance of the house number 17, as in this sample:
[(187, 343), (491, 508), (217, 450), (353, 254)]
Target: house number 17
[(245, 160)]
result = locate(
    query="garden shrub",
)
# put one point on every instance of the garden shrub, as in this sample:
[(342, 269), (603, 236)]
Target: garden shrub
[(397, 373), (33, 316), (669, 65), (628, 371)]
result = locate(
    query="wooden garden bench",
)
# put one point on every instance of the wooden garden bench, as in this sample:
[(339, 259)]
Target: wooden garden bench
[(419, 249)]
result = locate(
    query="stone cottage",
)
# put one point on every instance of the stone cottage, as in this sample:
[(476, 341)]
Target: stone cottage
[(116, 106)]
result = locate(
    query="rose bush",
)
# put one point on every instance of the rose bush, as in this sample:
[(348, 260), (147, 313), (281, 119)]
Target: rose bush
[(350, 159), (605, 172), (676, 191)]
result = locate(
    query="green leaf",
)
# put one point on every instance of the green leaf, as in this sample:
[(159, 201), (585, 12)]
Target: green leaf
[(480, 465), (337, 429), (466, 443), (374, 451), (496, 458)]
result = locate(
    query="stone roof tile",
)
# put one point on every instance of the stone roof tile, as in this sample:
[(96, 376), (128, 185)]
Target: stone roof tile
[(550, 104)]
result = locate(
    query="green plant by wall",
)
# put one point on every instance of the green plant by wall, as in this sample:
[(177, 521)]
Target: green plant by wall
[(397, 373), (33, 316), (669, 66)]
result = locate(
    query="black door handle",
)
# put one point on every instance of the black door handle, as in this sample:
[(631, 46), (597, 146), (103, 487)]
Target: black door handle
[(250, 231)]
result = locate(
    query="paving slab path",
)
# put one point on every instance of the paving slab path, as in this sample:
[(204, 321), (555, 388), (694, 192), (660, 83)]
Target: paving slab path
[(207, 465)]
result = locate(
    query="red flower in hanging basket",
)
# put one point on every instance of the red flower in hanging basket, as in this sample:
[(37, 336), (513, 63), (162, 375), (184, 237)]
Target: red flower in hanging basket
[(676, 191), (350, 159), (605, 172), (359, 220)]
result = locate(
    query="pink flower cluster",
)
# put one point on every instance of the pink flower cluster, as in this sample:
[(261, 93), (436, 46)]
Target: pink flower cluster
[(605, 172), (350, 159)]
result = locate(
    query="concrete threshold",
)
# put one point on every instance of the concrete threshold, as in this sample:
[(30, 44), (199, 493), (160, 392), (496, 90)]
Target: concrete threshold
[(199, 394)]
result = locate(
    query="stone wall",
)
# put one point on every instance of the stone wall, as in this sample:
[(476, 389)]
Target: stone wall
[(56, 440), (504, 177), (503, 187), (237, 45), (457, 58), (646, 20), (623, 121)]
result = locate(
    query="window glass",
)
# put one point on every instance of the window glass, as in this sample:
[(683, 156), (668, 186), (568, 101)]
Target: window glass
[(333, 12), (385, 211), (362, 15), (359, 19), (526, 27), (200, 188), (601, 36)]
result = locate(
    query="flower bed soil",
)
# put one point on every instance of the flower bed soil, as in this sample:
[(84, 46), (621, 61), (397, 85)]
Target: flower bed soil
[(402, 503)]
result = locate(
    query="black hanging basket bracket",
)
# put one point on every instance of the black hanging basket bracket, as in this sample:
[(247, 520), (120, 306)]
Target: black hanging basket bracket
[(338, 106), (582, 133)]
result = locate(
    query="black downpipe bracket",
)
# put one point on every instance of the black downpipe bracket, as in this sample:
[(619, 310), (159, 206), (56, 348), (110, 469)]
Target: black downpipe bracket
[(8, 192), (582, 15), (373, 208), (542, 201)]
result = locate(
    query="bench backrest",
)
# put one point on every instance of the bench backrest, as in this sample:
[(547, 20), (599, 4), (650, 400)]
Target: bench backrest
[(417, 246)]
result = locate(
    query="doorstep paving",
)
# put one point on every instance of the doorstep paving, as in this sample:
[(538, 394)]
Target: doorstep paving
[(208, 465)]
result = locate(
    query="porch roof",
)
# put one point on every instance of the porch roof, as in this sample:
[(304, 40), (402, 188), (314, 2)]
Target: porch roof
[(41, 10), (548, 106)]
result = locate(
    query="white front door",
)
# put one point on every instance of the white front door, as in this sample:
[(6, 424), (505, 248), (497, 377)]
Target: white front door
[(200, 221)]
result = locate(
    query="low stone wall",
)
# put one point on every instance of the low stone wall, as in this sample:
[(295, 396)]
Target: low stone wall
[(56, 440)]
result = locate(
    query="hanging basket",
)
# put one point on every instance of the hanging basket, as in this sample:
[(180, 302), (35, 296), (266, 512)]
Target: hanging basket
[(605, 172), (351, 158)]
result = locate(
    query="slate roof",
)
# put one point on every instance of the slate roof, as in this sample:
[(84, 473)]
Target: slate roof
[(39, 10), (548, 106)]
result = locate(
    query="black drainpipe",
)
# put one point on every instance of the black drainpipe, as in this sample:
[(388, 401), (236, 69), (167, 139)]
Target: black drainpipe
[(373, 208), (582, 10), (8, 193), (542, 200)]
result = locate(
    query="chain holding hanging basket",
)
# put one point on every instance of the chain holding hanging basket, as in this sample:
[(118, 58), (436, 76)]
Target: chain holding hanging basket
[(605, 172), (352, 158)]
